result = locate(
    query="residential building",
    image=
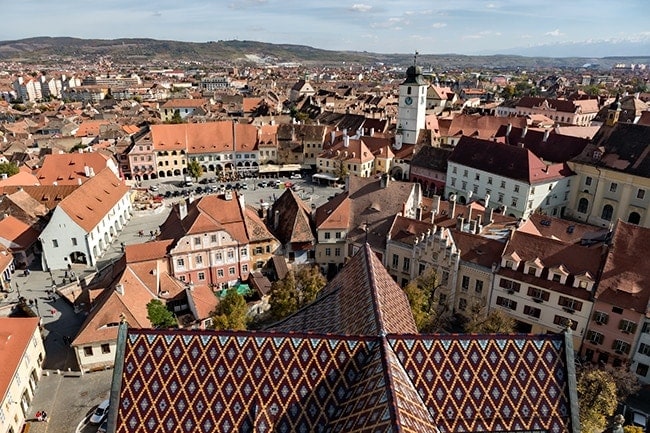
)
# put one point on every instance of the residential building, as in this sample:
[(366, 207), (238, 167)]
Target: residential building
[(74, 168), (301, 89), (290, 220), (519, 182), (342, 348), (308, 139), (19, 238), (7, 268), (21, 357), (616, 329), (547, 284), (613, 175), (184, 108), (578, 112), (84, 223)]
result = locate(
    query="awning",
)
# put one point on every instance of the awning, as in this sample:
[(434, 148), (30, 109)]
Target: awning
[(325, 176)]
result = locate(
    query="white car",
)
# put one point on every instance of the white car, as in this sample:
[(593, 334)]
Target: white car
[(100, 413), (153, 188), (296, 176)]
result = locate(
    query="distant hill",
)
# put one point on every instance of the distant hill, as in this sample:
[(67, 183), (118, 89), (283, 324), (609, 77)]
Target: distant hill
[(48, 50)]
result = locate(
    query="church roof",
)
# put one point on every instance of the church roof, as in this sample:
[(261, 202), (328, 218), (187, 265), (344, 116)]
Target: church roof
[(248, 381)]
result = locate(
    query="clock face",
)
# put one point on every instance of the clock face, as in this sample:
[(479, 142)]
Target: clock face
[(408, 100)]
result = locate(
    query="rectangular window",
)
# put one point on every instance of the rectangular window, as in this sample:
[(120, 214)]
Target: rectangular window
[(259, 250), (489, 181), (180, 263), (513, 202), (506, 303), (617, 310), (627, 326), (464, 173), (462, 304), (213, 239), (509, 285), (621, 346), (218, 257), (445, 277), (465, 283), (395, 260), (532, 311), (477, 176), (106, 348), (244, 268), (421, 268), (644, 349), (55, 243), (231, 254), (454, 169), (642, 369), (74, 242), (337, 252), (613, 186), (538, 295), (464, 185), (406, 264), (231, 271), (199, 260), (601, 318), (243, 252), (569, 304), (516, 188), (500, 199), (327, 235), (475, 189), (337, 235), (563, 321), (595, 337), (503, 184), (197, 241), (453, 181), (588, 180), (328, 251), (201, 276), (640, 194), (219, 273), (478, 286), (88, 350)]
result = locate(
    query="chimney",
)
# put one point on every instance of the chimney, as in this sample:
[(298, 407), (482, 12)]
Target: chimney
[(547, 132), (469, 212), (182, 209), (478, 220), (227, 195), (435, 203), (372, 131), (418, 213), (79, 181), (524, 132), (452, 202), (508, 129), (472, 226), (276, 219), (87, 171), (80, 150), (404, 209), (487, 200), (346, 141), (119, 288), (487, 215), (242, 202), (92, 172), (345, 132), (460, 223), (332, 137)]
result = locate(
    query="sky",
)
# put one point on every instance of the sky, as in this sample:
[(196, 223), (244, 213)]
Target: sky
[(567, 27)]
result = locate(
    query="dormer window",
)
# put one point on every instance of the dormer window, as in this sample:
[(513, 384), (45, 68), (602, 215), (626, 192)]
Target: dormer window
[(557, 278)]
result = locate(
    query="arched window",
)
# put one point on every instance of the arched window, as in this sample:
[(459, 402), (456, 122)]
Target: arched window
[(608, 211), (634, 218), (583, 204)]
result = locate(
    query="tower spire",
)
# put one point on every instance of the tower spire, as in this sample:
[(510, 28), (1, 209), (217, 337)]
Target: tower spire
[(415, 59)]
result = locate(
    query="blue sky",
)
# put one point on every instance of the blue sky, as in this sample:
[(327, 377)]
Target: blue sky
[(384, 26)]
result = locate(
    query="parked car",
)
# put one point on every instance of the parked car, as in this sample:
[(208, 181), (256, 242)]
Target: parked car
[(296, 176), (204, 181), (262, 184), (100, 413), (168, 194), (153, 188), (244, 186)]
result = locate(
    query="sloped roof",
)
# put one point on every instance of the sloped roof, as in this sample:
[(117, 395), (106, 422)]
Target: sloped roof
[(18, 234), (297, 381), (294, 220), (69, 168), (209, 137), (625, 280), (15, 336), (553, 147), (48, 195), (90, 203)]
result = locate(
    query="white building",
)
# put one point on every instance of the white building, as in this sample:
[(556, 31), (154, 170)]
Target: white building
[(85, 223), (412, 105), (21, 356), (510, 178)]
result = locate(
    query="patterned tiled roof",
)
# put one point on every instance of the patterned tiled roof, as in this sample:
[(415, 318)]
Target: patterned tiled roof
[(283, 381)]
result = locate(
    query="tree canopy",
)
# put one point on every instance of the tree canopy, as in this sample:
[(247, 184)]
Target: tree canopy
[(231, 313), (430, 314), (295, 291), (176, 118), (495, 322), (597, 398), (159, 315), (195, 169), (8, 168)]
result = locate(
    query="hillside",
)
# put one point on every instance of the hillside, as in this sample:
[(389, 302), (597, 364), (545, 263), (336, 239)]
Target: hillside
[(48, 50)]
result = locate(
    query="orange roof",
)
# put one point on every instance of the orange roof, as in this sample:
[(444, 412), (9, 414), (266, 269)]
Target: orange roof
[(204, 137), (205, 300), (18, 234), (90, 128), (250, 104), (89, 203), (184, 103), (68, 168), (19, 179), (15, 335), (6, 258), (130, 129)]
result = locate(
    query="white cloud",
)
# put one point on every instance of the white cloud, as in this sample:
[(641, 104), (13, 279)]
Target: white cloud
[(554, 33), (438, 25), (491, 6), (360, 7)]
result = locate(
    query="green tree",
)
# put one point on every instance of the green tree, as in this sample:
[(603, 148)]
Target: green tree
[(77, 146), (429, 313), (159, 315), (176, 118), (342, 170), (8, 168), (194, 169), (597, 398), (231, 313), (495, 322), (309, 282), (284, 299), (627, 383)]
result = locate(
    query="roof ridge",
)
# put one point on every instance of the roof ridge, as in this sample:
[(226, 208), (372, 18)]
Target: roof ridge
[(372, 284)]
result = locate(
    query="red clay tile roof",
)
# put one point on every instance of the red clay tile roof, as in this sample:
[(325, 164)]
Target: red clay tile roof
[(68, 168), (556, 228), (626, 274), (48, 195), (90, 128), (484, 127), (294, 219), (15, 335), (19, 179), (478, 249), (184, 103), (512, 162), (15, 234), (205, 137), (90, 203)]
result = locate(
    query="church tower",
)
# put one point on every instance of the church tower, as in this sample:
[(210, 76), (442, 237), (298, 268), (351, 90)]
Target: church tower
[(412, 104), (613, 112)]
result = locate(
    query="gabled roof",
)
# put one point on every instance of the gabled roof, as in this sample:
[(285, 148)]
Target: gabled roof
[(15, 336), (293, 219), (551, 147), (292, 380), (90, 203), (48, 195), (625, 281), (17, 234), (512, 162), (70, 168), (209, 137), (184, 103)]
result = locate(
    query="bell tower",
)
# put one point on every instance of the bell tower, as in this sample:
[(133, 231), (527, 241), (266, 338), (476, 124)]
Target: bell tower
[(412, 104)]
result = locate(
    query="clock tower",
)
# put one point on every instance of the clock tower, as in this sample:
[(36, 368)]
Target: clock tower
[(412, 105)]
